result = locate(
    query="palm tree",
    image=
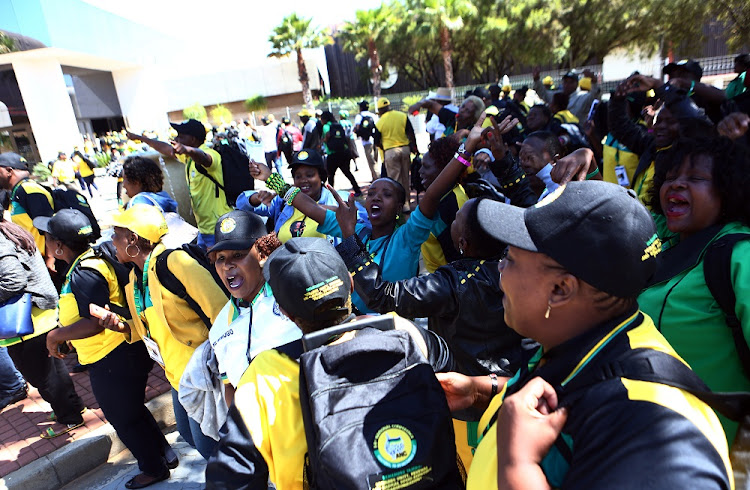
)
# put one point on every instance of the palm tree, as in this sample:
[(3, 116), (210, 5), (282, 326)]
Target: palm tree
[(293, 35), (362, 37), (6, 43), (438, 18)]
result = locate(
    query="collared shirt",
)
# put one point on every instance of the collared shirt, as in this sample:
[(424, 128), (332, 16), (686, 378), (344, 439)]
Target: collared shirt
[(262, 320), (208, 200)]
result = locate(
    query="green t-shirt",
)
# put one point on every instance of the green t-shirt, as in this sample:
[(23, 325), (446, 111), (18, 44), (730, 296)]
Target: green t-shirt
[(208, 200)]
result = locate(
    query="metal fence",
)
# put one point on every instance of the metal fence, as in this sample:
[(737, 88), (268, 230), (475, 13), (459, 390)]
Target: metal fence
[(716, 65)]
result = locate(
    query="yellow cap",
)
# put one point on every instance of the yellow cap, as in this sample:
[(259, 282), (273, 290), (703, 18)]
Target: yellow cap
[(547, 80), (305, 112), (585, 83), (506, 88), (144, 220), (383, 102)]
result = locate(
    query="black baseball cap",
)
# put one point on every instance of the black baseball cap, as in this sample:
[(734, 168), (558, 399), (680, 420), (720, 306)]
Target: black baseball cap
[(191, 127), (309, 279), (363, 105), (691, 66), (571, 74), (596, 230), (13, 160), (238, 230), (308, 156), (68, 225)]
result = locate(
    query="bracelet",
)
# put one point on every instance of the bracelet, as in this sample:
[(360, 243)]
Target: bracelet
[(594, 172), (493, 377), (276, 183), (461, 159), (291, 194)]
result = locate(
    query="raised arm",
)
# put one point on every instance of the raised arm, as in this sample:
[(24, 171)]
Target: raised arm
[(161, 146), (450, 174)]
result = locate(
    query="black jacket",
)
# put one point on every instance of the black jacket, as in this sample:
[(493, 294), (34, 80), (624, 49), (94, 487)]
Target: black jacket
[(463, 303), (631, 134)]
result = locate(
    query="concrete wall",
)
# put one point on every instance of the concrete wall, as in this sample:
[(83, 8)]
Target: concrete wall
[(96, 95), (277, 105), (143, 98), (48, 106)]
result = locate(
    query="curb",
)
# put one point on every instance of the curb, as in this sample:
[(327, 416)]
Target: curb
[(74, 460)]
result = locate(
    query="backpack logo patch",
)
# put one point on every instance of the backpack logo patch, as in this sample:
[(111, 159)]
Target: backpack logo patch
[(394, 446)]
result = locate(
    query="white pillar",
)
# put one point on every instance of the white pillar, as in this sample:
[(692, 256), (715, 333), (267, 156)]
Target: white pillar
[(143, 99), (48, 106)]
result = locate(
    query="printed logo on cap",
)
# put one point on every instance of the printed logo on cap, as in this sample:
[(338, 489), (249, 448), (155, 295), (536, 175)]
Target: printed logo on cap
[(323, 289), (394, 446), (303, 155), (86, 230), (653, 248), (227, 225)]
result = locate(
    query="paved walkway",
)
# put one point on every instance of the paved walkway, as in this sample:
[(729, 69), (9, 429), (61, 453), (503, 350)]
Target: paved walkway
[(23, 422), (122, 467)]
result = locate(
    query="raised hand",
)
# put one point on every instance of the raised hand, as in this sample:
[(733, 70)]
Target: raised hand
[(346, 213), (259, 171)]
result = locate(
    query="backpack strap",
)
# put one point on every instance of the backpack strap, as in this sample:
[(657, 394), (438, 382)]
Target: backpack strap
[(292, 349), (174, 286), (202, 170), (659, 367), (717, 265)]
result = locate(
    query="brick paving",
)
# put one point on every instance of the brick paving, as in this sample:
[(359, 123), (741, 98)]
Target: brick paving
[(23, 422)]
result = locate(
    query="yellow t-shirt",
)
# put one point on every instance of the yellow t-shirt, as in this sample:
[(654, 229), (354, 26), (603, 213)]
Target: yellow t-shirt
[(83, 167), (308, 227), (209, 201), (168, 319), (64, 171), (643, 184), (392, 127), (91, 349)]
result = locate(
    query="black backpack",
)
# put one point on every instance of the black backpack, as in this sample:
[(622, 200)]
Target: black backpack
[(374, 412), (337, 141), (174, 286), (235, 168), (71, 199), (286, 139), (717, 272), (366, 127), (106, 251)]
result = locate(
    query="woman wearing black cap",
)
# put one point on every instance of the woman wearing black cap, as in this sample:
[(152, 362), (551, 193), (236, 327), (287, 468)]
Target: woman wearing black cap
[(309, 173), (570, 418), (118, 370), (251, 321)]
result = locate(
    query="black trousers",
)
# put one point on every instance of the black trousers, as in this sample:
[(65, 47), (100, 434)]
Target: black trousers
[(118, 381), (50, 376), (340, 160)]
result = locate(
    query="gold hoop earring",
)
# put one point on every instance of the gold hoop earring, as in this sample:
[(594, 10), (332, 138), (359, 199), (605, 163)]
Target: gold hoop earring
[(549, 308), (128, 248)]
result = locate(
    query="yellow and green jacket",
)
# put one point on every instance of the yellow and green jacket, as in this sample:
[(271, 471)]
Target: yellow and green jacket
[(30, 200), (620, 433)]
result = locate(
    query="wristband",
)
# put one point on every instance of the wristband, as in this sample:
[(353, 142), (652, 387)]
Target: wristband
[(493, 378), (291, 194), (594, 172), (276, 183), (461, 159)]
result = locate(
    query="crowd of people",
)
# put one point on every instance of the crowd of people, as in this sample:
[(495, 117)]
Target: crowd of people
[(580, 266)]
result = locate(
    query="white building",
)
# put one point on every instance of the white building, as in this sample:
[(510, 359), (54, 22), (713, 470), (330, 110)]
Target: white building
[(83, 70)]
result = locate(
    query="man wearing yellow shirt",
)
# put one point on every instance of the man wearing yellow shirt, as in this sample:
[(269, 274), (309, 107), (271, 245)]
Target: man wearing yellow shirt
[(203, 171), (63, 171), (395, 136), (85, 171)]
